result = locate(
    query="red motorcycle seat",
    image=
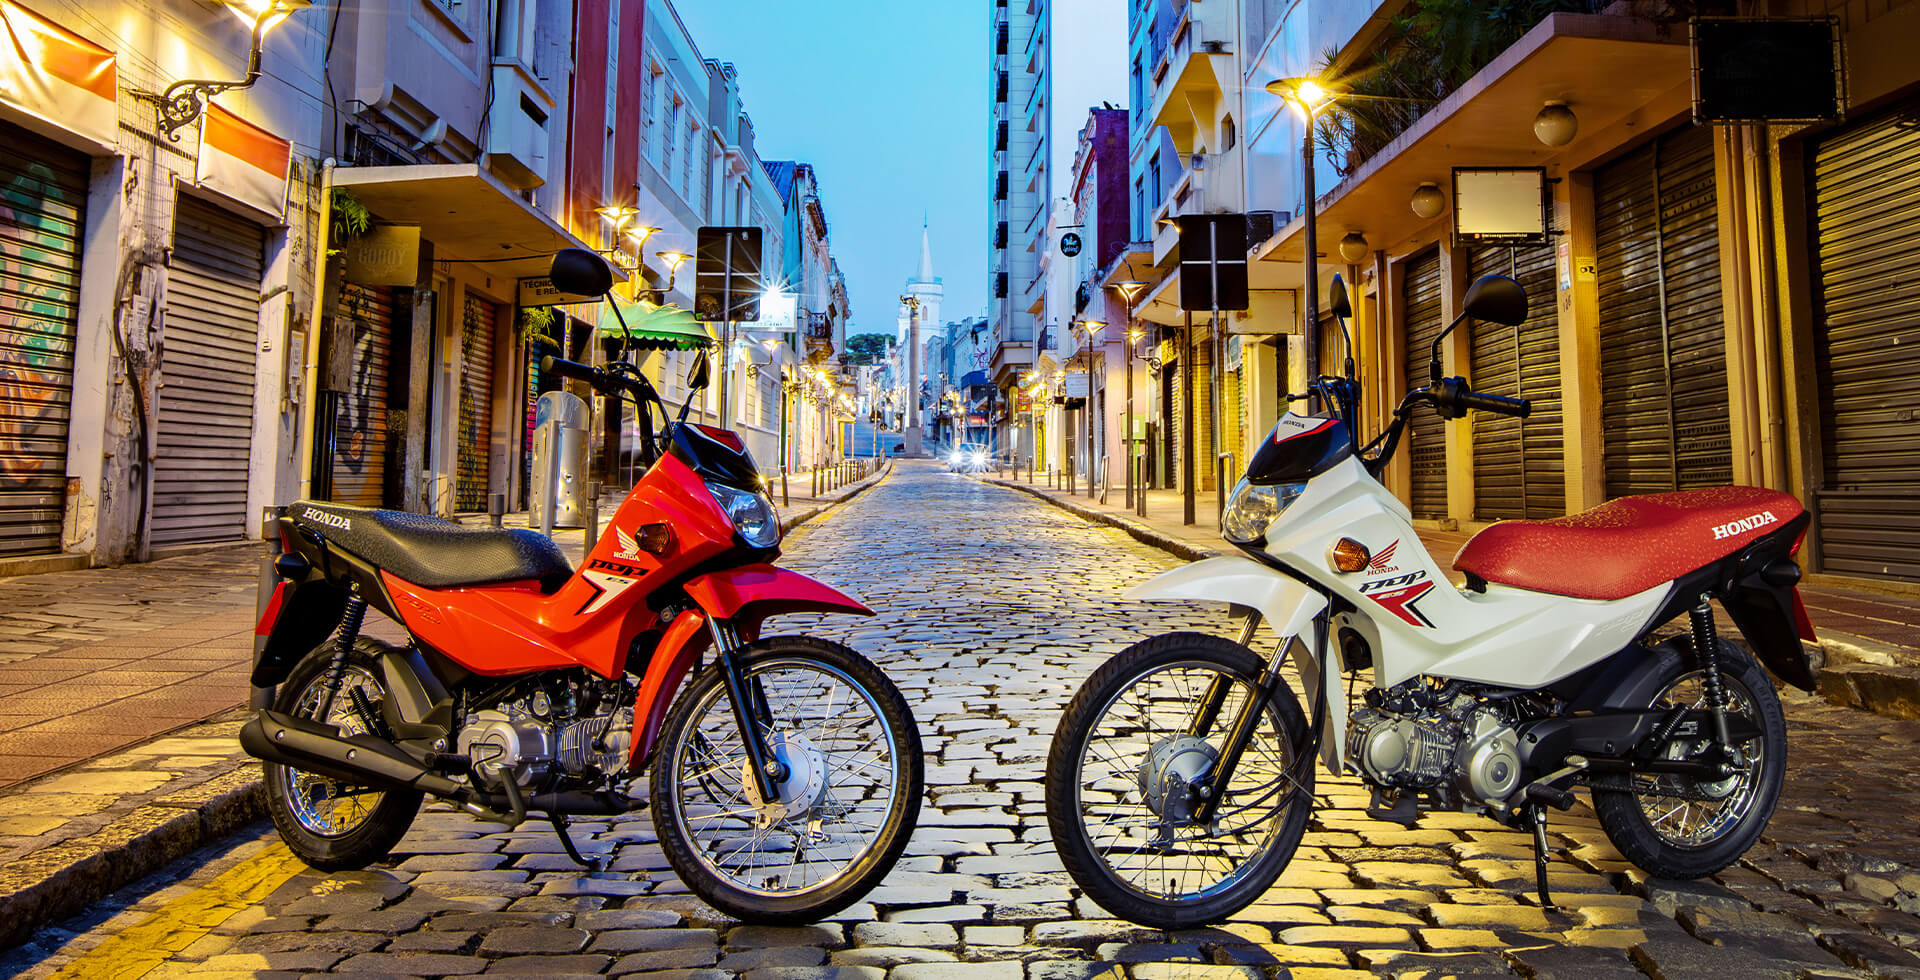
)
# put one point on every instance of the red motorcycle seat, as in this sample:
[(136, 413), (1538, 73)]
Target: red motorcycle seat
[(1625, 546)]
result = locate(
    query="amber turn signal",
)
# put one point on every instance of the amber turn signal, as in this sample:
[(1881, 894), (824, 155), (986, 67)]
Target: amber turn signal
[(1348, 555), (655, 539)]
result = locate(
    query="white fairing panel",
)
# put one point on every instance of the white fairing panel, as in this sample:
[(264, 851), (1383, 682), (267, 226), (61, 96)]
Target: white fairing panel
[(1287, 606), (1505, 636)]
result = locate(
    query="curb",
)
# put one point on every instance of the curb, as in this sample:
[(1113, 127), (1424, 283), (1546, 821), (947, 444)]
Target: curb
[(123, 843), (60, 880), (1856, 678), (1140, 532)]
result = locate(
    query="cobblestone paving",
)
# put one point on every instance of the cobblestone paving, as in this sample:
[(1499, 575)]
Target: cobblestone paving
[(993, 608), (46, 612)]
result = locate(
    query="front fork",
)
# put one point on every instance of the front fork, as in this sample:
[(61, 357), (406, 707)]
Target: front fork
[(1211, 784), (751, 711)]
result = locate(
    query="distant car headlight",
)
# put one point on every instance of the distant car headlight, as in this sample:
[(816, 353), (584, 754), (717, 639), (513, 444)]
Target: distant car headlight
[(751, 513), (1252, 510), (978, 459)]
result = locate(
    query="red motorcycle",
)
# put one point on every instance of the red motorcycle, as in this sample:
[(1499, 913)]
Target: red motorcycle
[(785, 777)]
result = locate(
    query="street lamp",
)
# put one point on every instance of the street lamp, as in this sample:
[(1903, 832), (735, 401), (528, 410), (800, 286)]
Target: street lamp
[(1086, 409), (1311, 97), (1129, 291), (181, 103)]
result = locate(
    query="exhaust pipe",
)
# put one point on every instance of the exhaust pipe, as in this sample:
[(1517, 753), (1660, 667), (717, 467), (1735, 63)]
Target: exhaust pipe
[(362, 759), (367, 760)]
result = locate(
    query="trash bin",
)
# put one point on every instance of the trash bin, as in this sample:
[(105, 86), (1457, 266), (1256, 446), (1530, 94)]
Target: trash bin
[(558, 495)]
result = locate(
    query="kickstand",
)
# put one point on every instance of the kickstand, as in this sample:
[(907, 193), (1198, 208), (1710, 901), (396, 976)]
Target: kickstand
[(560, 828), (1537, 815)]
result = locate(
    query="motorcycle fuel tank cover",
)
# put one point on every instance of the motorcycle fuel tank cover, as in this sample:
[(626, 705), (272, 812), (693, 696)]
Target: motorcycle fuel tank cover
[(1300, 448)]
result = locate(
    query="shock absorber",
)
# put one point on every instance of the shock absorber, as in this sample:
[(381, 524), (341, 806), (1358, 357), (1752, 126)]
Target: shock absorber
[(1706, 646), (350, 620)]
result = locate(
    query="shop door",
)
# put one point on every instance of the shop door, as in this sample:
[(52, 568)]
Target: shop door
[(1867, 344), (1171, 405), (42, 221), (476, 404), (1519, 469), (365, 446), (205, 417), (1663, 363), (1426, 433)]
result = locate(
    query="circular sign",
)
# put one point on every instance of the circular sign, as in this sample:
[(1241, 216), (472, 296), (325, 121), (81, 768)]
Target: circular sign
[(1070, 244)]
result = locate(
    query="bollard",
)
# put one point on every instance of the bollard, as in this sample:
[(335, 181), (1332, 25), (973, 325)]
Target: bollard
[(1222, 465), (1140, 482), (815, 473), (593, 516), (1070, 485), (496, 506), (1106, 476), (784, 502)]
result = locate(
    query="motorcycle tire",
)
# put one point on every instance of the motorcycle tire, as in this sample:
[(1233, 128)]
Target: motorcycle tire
[(1070, 799), (293, 796), (1660, 850), (711, 825)]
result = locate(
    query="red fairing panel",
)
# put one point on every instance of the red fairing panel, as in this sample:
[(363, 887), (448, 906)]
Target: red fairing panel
[(1626, 546), (759, 591)]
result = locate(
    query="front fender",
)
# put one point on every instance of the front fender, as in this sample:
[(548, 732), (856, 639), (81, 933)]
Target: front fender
[(1287, 605), (755, 592)]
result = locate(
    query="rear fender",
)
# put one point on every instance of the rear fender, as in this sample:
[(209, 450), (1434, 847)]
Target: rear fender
[(303, 614), (751, 593)]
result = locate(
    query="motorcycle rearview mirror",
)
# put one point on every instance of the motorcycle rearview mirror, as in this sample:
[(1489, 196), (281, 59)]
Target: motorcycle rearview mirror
[(580, 272), (1337, 302), (698, 375), (1495, 299)]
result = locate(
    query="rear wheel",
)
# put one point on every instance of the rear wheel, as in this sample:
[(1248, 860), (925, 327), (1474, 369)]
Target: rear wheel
[(331, 825), (1680, 827), (1119, 776), (844, 810)]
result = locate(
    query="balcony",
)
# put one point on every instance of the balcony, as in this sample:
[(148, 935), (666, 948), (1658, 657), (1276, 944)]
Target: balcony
[(817, 328), (1194, 74)]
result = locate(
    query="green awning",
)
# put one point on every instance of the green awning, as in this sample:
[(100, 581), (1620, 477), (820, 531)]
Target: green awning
[(654, 327)]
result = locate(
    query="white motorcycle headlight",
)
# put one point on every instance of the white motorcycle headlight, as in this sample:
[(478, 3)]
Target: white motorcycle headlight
[(751, 513), (1252, 510)]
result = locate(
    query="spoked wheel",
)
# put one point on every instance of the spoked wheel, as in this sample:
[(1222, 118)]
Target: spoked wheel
[(1122, 784), (331, 825), (1680, 827), (843, 811)]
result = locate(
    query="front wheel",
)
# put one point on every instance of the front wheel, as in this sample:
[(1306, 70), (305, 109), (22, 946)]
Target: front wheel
[(1124, 776), (1676, 826), (847, 804)]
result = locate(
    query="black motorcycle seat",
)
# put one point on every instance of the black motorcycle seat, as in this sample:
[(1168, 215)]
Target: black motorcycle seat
[(431, 552)]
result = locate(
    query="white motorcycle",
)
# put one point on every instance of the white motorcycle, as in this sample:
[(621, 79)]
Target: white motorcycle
[(1180, 781)]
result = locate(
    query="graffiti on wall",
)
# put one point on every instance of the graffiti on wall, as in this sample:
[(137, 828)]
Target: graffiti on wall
[(39, 276)]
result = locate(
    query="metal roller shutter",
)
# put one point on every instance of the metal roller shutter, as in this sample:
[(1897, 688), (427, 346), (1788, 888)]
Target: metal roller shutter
[(205, 418), (1663, 365), (476, 404), (1867, 207), (1426, 433), (1171, 408), (1518, 465), (363, 443), (43, 192)]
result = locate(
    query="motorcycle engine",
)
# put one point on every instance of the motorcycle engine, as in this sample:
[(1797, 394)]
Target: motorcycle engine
[(543, 734), (1461, 748)]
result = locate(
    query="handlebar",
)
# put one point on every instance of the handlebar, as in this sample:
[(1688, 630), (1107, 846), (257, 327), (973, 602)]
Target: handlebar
[(1498, 404), (575, 370), (611, 384)]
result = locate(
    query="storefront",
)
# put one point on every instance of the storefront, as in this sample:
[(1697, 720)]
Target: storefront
[(1426, 438), (1519, 470), (1663, 362), (42, 218), (204, 417), (1866, 194)]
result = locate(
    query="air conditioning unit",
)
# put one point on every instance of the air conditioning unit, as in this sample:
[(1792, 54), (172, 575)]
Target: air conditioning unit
[(517, 137)]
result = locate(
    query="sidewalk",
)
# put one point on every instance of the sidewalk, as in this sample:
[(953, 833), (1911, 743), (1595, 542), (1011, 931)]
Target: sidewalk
[(1871, 640)]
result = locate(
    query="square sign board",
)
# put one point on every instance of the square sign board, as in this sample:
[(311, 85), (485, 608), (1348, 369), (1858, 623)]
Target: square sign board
[(1500, 205), (1754, 71), (726, 273)]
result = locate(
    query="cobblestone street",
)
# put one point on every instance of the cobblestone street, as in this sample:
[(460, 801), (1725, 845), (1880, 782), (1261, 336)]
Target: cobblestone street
[(993, 607)]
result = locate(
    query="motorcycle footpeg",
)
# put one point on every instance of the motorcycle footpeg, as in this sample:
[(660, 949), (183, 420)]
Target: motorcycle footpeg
[(1553, 796)]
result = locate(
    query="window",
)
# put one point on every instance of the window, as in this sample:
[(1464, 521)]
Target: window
[(1140, 210), (667, 134), (513, 31), (649, 90), (686, 164), (1227, 135), (1154, 186)]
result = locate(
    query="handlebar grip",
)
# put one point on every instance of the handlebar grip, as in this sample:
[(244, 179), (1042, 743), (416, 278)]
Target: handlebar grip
[(1497, 404), (572, 369)]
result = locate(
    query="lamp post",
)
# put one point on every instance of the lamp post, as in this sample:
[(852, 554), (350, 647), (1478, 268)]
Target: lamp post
[(1311, 97), (1086, 409), (181, 103), (1129, 292)]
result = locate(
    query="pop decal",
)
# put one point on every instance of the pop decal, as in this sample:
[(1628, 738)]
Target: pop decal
[(1398, 594), (611, 578)]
